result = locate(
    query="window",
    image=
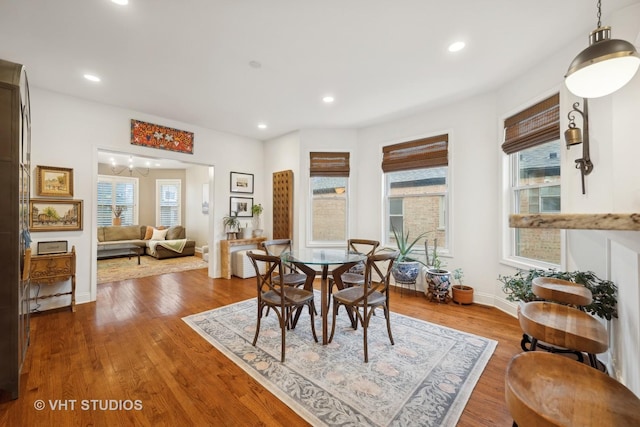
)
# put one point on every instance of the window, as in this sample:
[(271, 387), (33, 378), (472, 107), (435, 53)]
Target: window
[(116, 192), (416, 190), (532, 140), (169, 202), (329, 184)]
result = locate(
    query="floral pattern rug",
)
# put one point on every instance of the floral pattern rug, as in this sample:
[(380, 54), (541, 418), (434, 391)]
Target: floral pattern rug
[(425, 379)]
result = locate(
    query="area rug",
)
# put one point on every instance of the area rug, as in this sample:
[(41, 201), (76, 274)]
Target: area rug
[(425, 379), (116, 269)]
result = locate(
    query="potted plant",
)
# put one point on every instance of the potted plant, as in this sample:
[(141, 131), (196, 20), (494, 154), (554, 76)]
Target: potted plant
[(604, 305), (438, 279), (231, 223), (461, 294), (117, 214), (406, 267), (256, 210)]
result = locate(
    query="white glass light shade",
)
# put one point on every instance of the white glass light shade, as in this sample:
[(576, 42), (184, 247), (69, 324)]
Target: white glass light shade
[(602, 68)]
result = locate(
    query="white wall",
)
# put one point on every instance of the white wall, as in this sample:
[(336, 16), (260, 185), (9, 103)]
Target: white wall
[(473, 176), (67, 132)]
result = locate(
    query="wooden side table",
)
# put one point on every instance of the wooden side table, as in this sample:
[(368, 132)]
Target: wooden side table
[(225, 252), (55, 268)]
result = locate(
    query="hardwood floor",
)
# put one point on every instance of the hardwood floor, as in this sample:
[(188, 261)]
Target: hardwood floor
[(131, 345)]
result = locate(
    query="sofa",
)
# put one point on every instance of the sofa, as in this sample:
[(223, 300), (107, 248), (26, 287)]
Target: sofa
[(153, 241)]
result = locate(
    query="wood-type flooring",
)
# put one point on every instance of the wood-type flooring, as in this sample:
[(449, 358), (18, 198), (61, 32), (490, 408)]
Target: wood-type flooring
[(129, 359)]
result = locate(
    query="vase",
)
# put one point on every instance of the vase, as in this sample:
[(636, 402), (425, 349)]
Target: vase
[(439, 283), (406, 271), (462, 294), (117, 221)]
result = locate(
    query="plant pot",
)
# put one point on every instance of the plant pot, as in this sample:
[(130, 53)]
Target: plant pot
[(257, 232), (462, 294), (231, 235), (117, 221), (246, 232), (406, 271), (439, 283)]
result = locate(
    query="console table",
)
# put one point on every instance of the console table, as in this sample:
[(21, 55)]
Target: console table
[(225, 252), (55, 268)]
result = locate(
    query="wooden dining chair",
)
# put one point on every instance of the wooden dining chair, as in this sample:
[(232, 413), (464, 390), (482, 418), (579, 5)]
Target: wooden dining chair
[(363, 300), (274, 294), (292, 277), (355, 275)]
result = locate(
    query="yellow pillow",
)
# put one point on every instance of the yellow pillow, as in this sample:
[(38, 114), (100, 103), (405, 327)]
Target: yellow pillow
[(148, 233)]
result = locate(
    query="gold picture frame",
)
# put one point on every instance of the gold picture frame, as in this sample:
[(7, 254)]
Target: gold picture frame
[(55, 215), (54, 181)]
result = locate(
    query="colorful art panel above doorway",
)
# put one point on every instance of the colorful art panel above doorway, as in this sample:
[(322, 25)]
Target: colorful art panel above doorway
[(162, 137)]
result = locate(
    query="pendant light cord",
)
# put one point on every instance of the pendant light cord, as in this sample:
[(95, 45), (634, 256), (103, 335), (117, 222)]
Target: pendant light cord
[(599, 13)]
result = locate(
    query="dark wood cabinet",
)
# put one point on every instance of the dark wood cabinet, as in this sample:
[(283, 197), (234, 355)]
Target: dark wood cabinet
[(15, 173)]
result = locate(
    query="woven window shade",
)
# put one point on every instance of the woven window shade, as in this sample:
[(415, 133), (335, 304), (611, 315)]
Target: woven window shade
[(329, 164), (421, 153), (536, 125)]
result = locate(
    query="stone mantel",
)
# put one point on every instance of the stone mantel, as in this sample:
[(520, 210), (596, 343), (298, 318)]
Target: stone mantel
[(601, 221)]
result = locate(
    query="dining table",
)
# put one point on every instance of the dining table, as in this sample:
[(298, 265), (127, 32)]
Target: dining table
[(308, 260)]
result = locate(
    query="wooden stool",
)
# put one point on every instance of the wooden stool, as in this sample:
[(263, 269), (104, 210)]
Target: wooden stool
[(562, 291), (563, 326), (543, 389)]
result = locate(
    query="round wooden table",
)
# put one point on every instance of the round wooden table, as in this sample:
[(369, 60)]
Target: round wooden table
[(563, 291), (544, 389)]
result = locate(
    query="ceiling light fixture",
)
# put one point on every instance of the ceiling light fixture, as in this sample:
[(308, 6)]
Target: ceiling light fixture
[(456, 47), (92, 78), (120, 169), (121, 2), (603, 67), (328, 99), (262, 126)]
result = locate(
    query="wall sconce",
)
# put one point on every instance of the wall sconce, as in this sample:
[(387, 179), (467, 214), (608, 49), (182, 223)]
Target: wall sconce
[(573, 136), (603, 67)]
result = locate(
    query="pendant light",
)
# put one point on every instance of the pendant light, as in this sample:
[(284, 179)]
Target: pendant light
[(604, 67)]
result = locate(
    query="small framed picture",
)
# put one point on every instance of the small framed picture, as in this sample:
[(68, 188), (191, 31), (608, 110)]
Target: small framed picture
[(48, 248), (54, 181), (241, 182), (55, 215), (242, 206)]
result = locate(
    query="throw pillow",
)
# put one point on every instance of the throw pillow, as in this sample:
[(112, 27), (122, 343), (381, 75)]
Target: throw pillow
[(148, 233), (159, 234)]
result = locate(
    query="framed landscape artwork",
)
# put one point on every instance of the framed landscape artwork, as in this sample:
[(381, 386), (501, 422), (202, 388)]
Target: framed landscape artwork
[(55, 215), (242, 206), (241, 182), (54, 181)]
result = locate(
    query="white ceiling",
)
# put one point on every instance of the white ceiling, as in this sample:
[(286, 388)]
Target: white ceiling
[(189, 60)]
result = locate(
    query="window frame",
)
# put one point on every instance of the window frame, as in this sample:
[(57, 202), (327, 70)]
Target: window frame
[(443, 208), (158, 207), (509, 201), (113, 179)]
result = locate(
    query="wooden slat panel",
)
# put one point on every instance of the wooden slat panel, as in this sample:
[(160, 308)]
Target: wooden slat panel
[(283, 205)]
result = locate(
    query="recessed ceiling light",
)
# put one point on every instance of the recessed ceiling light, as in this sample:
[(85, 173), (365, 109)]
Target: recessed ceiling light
[(92, 78), (328, 99), (457, 46), (121, 2), (262, 126)]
